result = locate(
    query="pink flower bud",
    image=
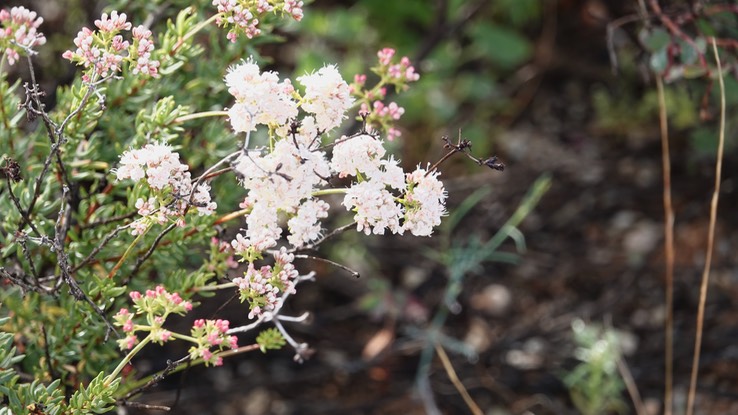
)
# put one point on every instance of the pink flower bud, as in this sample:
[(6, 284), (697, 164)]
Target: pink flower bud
[(131, 341), (222, 325), (385, 55)]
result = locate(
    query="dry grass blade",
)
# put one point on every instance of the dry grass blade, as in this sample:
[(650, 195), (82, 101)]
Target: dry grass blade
[(630, 384), (473, 407), (710, 239), (668, 251)]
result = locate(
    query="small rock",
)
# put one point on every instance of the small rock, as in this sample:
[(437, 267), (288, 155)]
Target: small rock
[(494, 299)]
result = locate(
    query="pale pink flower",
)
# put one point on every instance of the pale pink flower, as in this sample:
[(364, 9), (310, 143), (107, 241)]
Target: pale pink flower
[(391, 174), (403, 71), (139, 227), (294, 8), (241, 117), (327, 96), (240, 244), (385, 55), (284, 177), (222, 325), (128, 342), (393, 133), (115, 23), (18, 32), (128, 326), (145, 208), (160, 335), (305, 226), (263, 227), (392, 110), (425, 202), (242, 16), (361, 154), (375, 208), (163, 170), (105, 54), (260, 97)]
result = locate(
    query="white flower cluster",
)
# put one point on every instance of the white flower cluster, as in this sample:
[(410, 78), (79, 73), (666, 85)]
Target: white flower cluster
[(260, 98), (262, 287), (327, 96), (169, 179), (285, 180), (377, 209)]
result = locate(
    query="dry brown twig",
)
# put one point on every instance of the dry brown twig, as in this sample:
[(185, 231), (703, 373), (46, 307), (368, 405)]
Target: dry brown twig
[(710, 240), (668, 251)]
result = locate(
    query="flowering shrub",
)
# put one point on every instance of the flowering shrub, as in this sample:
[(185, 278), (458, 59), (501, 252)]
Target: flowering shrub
[(91, 191)]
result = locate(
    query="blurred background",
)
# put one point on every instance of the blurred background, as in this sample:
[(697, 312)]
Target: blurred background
[(563, 90)]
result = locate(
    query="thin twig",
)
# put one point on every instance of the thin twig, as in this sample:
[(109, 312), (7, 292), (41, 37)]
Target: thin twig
[(177, 366), (630, 384), (668, 251), (140, 405), (23, 213), (328, 261), (57, 246), (207, 172), (148, 253), (22, 282), (171, 366), (611, 27), (326, 237), (105, 221), (49, 361), (98, 248), (21, 238), (56, 134), (473, 407), (710, 239)]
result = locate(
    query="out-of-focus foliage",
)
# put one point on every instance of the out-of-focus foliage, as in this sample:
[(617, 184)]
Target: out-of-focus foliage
[(467, 53), (676, 44), (595, 384)]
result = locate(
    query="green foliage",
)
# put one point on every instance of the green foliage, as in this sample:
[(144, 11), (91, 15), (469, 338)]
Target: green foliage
[(20, 395), (623, 113), (98, 397), (158, 124), (680, 51), (519, 12), (270, 339), (595, 385), (505, 47), (9, 117), (65, 338)]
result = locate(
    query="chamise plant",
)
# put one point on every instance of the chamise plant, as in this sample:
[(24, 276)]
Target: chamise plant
[(113, 194)]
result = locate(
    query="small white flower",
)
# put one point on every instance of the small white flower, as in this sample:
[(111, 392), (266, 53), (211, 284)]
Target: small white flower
[(327, 96), (375, 208)]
